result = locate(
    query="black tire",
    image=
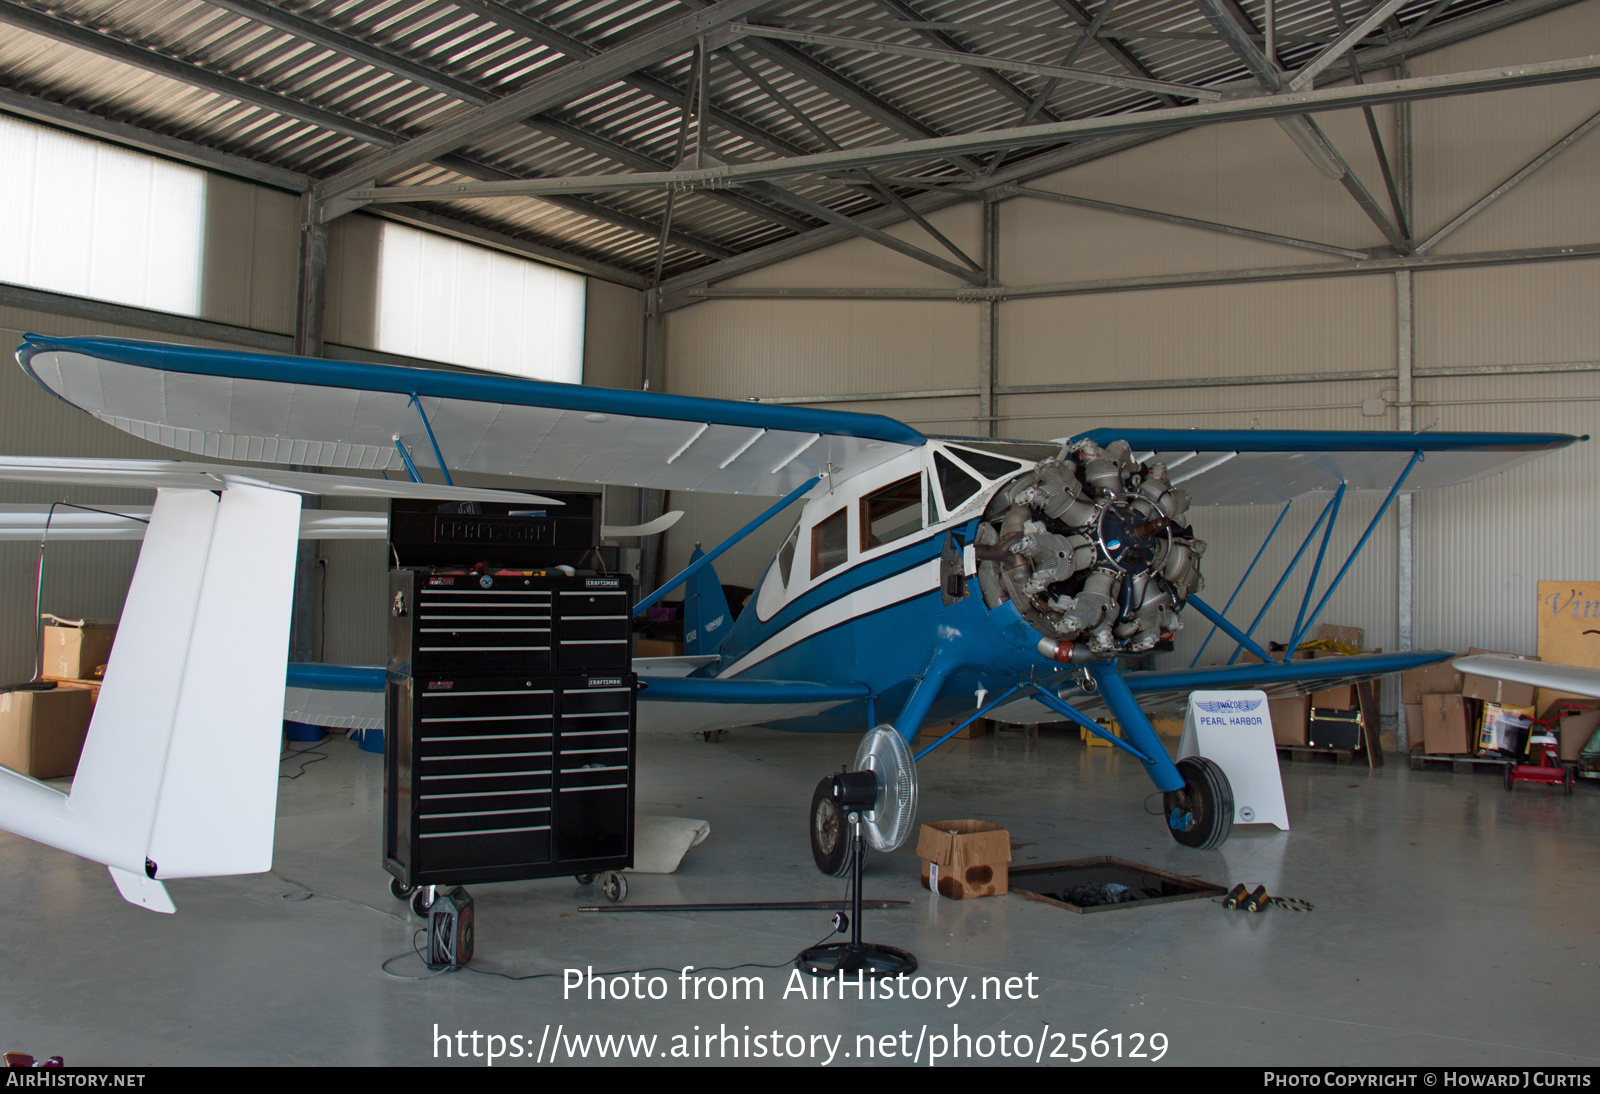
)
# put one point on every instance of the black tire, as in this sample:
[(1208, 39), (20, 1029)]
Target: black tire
[(398, 889), (1510, 782), (829, 832), (583, 879), (1570, 780), (614, 886), (420, 903), (1204, 807)]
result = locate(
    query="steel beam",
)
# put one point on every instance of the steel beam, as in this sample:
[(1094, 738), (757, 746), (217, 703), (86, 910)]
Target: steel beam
[(552, 90), (382, 59), (148, 140), (993, 78), (509, 244), (156, 322), (238, 90), (1310, 271), (1113, 46), (989, 321), (983, 61), (547, 36), (310, 281), (1405, 533), (1511, 183), (1187, 222), (1347, 41), (866, 231), (1288, 104), (149, 60)]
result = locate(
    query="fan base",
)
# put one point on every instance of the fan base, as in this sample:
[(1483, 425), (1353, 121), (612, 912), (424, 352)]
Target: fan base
[(856, 957)]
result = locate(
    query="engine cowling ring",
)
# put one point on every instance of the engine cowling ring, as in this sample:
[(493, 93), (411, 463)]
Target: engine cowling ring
[(1093, 549)]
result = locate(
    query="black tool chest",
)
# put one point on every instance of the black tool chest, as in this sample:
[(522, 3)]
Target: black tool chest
[(511, 714)]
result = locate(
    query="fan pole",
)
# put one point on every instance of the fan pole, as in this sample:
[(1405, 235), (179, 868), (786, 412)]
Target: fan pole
[(856, 957)]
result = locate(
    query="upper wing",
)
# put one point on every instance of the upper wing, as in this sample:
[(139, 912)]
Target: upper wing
[(266, 408), (1261, 466)]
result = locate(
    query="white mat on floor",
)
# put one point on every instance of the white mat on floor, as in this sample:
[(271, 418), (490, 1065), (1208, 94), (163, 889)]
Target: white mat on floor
[(659, 843)]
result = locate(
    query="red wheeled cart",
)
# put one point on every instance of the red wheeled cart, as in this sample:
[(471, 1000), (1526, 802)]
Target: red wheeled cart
[(1547, 767)]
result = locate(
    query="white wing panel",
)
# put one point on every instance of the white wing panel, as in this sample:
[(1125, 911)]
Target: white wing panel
[(334, 414)]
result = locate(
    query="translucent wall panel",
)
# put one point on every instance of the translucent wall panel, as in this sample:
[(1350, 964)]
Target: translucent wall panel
[(442, 300), (87, 219)]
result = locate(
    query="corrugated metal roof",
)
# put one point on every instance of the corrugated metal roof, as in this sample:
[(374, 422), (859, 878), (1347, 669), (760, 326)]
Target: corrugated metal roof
[(317, 86)]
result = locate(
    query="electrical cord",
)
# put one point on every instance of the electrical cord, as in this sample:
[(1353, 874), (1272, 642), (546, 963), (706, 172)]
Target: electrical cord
[(306, 893), (291, 753)]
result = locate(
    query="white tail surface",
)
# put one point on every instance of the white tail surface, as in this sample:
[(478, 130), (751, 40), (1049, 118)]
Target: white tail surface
[(178, 776)]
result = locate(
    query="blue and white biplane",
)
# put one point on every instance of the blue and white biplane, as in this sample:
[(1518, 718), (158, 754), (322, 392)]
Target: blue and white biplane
[(926, 580)]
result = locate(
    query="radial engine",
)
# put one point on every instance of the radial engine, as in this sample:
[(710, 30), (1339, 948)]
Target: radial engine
[(1094, 550)]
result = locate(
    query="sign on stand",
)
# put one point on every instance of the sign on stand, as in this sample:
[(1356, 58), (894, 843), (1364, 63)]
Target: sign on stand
[(1233, 729)]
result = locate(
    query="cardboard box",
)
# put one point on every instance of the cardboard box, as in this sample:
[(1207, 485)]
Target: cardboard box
[(1438, 678), (656, 647), (1414, 735), (965, 858), (977, 728), (1341, 696), (75, 652), (1576, 729), (1504, 728), (1290, 720), (41, 732), (1445, 726), (1350, 636), (1497, 691)]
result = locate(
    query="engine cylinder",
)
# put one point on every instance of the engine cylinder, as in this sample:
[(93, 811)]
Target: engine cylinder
[(1093, 548)]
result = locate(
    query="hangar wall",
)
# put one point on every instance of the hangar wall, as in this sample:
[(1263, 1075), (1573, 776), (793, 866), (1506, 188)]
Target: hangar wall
[(247, 302), (1503, 347)]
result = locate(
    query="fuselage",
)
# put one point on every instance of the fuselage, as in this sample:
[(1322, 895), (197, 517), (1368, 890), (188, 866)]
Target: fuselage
[(858, 592)]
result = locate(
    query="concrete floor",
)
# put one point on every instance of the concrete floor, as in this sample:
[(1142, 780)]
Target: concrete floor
[(1454, 924)]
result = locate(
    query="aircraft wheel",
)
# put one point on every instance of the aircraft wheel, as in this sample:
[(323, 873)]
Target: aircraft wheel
[(1570, 780), (830, 833), (1510, 782), (399, 889), (1201, 814)]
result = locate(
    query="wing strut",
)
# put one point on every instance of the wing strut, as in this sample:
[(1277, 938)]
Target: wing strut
[(710, 556), (1294, 642)]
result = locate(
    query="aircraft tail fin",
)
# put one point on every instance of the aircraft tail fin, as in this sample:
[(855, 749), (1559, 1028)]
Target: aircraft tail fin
[(706, 618), (178, 775)]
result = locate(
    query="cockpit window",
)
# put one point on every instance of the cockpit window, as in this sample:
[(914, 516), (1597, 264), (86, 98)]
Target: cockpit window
[(829, 543), (954, 484), (990, 467), (786, 555), (891, 513)]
